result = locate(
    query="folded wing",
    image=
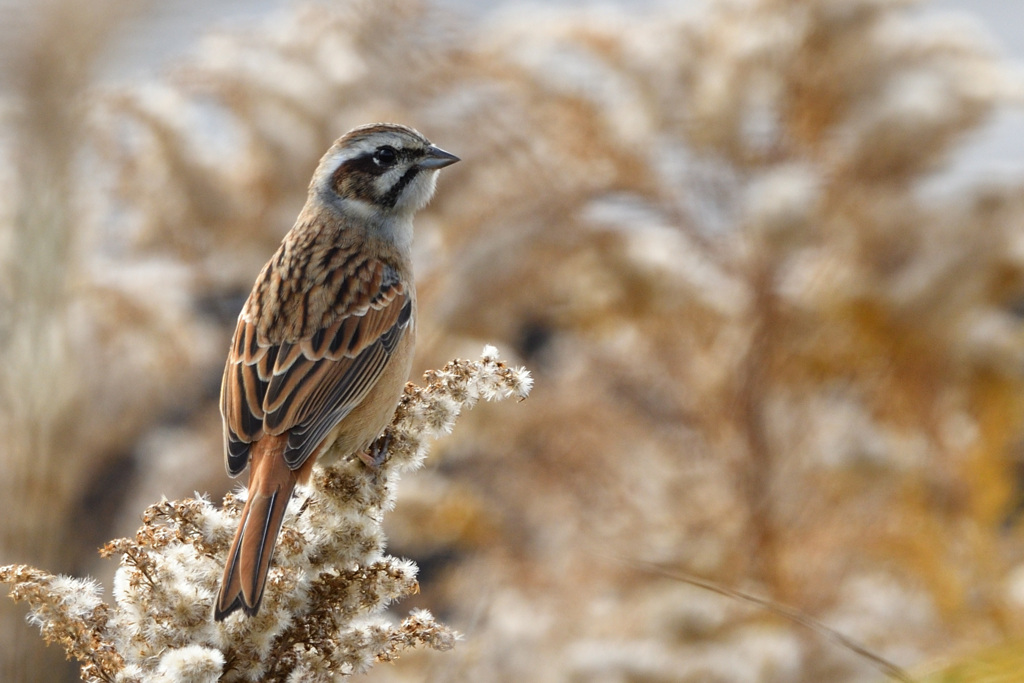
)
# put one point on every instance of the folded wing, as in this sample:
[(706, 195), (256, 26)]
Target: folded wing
[(306, 386)]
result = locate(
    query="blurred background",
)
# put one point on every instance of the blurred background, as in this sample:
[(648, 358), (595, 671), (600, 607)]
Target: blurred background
[(765, 259)]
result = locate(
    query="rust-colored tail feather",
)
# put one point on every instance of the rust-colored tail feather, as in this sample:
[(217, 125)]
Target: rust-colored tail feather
[(270, 488)]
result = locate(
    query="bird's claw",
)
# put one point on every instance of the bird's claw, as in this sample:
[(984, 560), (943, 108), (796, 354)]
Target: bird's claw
[(377, 454)]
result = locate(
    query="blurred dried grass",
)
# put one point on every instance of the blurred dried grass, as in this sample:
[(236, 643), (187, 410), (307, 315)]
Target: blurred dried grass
[(767, 349)]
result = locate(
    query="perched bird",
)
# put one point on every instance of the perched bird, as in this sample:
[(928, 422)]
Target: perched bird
[(324, 343)]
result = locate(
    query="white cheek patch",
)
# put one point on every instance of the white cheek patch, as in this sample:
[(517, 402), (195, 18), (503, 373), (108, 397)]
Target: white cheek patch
[(388, 180), (420, 190)]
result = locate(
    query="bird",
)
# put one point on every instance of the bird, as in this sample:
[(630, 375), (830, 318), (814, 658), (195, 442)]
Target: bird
[(324, 343)]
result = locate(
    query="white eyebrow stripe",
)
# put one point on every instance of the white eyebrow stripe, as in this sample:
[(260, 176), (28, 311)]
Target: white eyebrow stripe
[(340, 156)]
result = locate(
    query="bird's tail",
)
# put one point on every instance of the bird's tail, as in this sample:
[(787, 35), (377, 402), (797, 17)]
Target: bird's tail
[(270, 488)]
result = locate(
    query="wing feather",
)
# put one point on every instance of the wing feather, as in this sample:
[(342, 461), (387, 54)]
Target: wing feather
[(305, 437), (241, 395), (307, 386)]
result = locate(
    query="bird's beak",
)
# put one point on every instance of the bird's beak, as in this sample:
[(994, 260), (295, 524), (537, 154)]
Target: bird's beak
[(437, 158)]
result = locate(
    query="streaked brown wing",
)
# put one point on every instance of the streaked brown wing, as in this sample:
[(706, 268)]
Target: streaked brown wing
[(309, 395), (306, 387), (247, 374)]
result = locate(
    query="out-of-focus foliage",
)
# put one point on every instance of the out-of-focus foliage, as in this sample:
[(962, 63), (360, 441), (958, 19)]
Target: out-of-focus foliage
[(999, 664), (773, 345)]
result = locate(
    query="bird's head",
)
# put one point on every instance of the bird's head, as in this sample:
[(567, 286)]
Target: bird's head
[(382, 169)]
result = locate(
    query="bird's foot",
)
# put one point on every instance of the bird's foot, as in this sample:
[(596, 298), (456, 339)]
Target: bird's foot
[(377, 454)]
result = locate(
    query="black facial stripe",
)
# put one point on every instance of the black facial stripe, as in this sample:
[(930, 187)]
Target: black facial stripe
[(363, 164), (391, 198)]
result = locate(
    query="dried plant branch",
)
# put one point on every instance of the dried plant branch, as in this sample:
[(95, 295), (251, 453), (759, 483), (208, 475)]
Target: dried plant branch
[(70, 613)]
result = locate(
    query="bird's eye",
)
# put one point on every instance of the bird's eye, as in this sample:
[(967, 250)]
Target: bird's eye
[(385, 156)]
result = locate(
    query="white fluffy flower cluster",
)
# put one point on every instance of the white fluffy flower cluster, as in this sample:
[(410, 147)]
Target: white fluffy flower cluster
[(431, 411), (321, 617)]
